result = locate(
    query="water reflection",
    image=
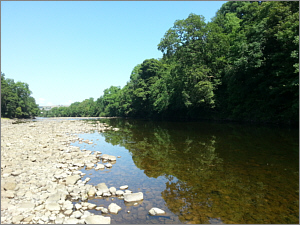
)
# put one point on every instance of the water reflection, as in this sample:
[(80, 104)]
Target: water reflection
[(217, 173)]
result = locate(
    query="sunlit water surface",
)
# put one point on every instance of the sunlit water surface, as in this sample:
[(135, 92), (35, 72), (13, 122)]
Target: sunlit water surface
[(199, 172)]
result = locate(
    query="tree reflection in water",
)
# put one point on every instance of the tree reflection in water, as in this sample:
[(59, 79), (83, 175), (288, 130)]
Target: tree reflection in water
[(216, 172)]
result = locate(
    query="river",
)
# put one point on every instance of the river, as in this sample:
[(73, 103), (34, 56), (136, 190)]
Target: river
[(200, 172)]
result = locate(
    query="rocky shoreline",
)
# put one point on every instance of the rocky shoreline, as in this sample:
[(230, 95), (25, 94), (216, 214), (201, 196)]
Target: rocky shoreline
[(40, 174)]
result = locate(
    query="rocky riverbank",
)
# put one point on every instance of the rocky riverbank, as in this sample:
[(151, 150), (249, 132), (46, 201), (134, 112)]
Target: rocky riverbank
[(40, 174)]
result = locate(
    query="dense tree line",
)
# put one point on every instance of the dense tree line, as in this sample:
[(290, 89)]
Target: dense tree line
[(16, 101), (243, 65)]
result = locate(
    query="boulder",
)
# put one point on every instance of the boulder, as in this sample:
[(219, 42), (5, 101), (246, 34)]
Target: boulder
[(133, 197)]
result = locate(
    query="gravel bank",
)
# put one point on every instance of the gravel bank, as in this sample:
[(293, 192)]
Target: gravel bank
[(40, 174)]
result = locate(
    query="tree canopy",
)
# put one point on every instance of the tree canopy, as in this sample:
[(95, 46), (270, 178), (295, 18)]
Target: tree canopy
[(243, 65), (16, 101)]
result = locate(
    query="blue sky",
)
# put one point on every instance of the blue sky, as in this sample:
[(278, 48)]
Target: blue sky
[(70, 51)]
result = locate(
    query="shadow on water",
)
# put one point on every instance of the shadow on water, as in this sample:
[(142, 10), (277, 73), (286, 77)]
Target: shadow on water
[(217, 172)]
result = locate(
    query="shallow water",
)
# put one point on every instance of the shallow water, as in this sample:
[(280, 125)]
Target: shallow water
[(200, 172)]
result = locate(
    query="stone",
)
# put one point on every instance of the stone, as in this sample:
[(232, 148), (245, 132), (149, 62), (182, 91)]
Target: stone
[(133, 197), (102, 187), (52, 206), (106, 194), (78, 206), (77, 214), (17, 219), (112, 158), (104, 210), (9, 185), (71, 221), (92, 192), (25, 206), (108, 165), (68, 212), (90, 165), (114, 208), (124, 187), (119, 192), (59, 220), (99, 193), (105, 156), (112, 190), (156, 211), (99, 167), (96, 219), (91, 206), (71, 180)]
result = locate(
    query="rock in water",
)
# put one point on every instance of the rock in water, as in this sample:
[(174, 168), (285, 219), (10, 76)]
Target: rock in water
[(156, 211), (102, 187), (114, 208), (133, 197)]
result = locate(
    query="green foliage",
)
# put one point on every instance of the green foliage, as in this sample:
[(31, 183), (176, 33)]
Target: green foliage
[(243, 65), (16, 101)]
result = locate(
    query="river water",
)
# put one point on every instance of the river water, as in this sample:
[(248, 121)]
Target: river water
[(200, 172)]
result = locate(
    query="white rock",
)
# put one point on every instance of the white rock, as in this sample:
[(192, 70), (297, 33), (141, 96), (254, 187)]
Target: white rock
[(68, 212), (133, 197), (71, 221), (99, 193), (104, 210), (77, 214), (96, 219), (52, 206), (90, 165), (106, 194), (124, 187), (108, 165), (114, 208), (119, 192), (92, 191), (156, 211), (91, 206), (71, 180), (78, 206), (112, 158), (99, 167), (102, 187), (112, 190)]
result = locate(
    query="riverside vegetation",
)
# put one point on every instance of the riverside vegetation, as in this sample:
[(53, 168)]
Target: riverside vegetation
[(243, 65)]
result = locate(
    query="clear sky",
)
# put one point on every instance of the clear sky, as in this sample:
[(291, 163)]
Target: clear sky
[(72, 50)]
